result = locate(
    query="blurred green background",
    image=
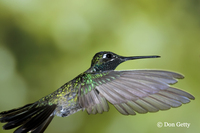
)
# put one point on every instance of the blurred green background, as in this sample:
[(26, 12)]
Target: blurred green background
[(44, 44)]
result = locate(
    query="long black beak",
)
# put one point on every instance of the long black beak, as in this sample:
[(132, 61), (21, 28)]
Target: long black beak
[(138, 57)]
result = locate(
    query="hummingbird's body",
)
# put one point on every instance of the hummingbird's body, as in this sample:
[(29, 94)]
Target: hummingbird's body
[(130, 91)]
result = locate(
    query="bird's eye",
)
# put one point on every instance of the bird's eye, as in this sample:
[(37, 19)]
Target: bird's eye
[(109, 56)]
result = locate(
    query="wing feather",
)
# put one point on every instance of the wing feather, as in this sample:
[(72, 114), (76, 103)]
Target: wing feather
[(133, 91)]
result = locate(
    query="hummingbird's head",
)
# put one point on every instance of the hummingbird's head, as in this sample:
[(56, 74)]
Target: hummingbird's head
[(106, 60)]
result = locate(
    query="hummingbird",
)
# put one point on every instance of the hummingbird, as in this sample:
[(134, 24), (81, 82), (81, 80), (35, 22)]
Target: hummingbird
[(130, 91)]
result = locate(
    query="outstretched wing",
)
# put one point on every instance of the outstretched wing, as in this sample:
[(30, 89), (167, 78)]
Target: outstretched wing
[(133, 91)]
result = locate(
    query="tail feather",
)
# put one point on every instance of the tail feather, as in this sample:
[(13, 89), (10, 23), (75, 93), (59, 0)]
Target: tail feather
[(43, 126), (20, 114), (15, 111), (17, 120), (29, 118), (35, 122)]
